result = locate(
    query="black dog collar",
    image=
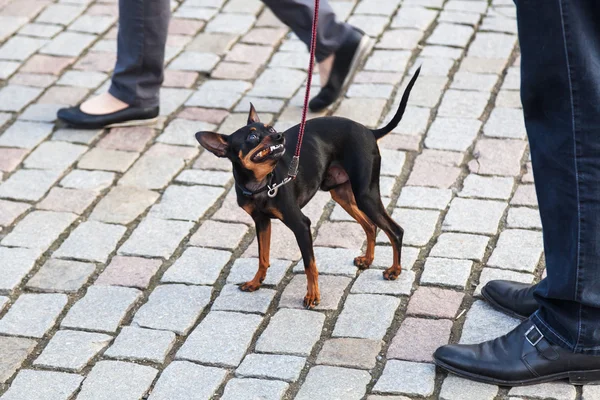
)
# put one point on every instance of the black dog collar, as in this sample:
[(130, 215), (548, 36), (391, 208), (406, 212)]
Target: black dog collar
[(249, 193)]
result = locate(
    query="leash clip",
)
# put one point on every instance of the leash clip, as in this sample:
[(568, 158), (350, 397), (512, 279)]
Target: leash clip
[(275, 188)]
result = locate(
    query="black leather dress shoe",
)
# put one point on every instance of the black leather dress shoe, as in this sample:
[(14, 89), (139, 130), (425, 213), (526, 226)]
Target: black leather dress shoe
[(512, 298), (347, 59), (127, 117), (521, 357)]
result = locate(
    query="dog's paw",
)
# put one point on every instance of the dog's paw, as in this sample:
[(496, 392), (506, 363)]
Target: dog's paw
[(250, 286), (362, 262), (392, 273), (311, 300)]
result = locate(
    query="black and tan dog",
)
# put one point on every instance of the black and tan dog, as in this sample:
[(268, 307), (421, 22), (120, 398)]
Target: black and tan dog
[(338, 155)]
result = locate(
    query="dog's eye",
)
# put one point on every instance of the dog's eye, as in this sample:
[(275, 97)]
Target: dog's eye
[(252, 137)]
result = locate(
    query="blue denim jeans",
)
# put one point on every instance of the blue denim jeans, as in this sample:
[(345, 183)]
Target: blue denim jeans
[(560, 91)]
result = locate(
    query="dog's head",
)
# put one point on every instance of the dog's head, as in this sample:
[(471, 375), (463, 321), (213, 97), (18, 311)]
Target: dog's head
[(255, 147)]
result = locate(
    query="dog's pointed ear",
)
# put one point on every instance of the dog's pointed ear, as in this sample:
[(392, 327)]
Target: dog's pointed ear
[(213, 142), (252, 115)]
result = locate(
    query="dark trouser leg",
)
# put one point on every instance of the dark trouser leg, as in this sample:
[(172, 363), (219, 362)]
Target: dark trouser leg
[(298, 15), (560, 43), (141, 45)]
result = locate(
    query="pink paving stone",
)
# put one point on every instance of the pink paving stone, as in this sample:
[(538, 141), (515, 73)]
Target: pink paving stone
[(377, 77), (10, 158), (63, 95), (10, 211), (251, 54), (417, 339), (435, 168), (182, 26), (435, 302), (183, 79), (231, 70), (129, 271), (25, 8), (103, 9), (186, 153), (112, 33), (68, 200), (400, 142), (35, 80), (127, 138), (40, 64), (349, 235), (211, 115), (264, 36), (97, 61)]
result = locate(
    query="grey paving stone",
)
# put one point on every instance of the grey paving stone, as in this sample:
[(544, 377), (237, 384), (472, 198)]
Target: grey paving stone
[(417, 378), (349, 352), (419, 225), (518, 250), (117, 380), (332, 289), (156, 238), (483, 66), (590, 392), (424, 197), (414, 121), (198, 266), (152, 172), (15, 264), (474, 81), (460, 245), (139, 344), (20, 48), (399, 39), (179, 131), (102, 308), (39, 229), (173, 307), (392, 162), (499, 157), (371, 282), (3, 302), (552, 390), (230, 23), (414, 18), (202, 177), (292, 332), (32, 315), (13, 351), (41, 112), (10, 211), (446, 272), (244, 269), (474, 216), (72, 350), (68, 44), (459, 17), (176, 200), (451, 35), (277, 83), (523, 217), (477, 186), (506, 123), (509, 99), (492, 45), (452, 133), (16, 97), (456, 388), (384, 256), (483, 323), (232, 298), (43, 385), (370, 90), (219, 235), (463, 104), (10, 25), (525, 195), (285, 368), (123, 204), (205, 97), (83, 136), (221, 338), (359, 320), (388, 60), (86, 79), (62, 14), (332, 261), (61, 276), (491, 274), (92, 23), (88, 180), (330, 383), (367, 111), (265, 389), (28, 184), (36, 133), (91, 241), (186, 380)]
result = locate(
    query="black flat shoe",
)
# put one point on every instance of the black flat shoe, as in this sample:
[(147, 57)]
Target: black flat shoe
[(512, 298), (127, 117), (347, 59), (521, 357)]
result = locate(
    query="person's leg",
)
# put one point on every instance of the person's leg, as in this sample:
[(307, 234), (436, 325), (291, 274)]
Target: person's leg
[(560, 91)]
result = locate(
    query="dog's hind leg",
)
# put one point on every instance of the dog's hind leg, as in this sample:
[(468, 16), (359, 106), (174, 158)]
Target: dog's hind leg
[(263, 234), (344, 196)]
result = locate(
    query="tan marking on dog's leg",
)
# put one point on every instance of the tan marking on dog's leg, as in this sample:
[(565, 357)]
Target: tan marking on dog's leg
[(263, 233)]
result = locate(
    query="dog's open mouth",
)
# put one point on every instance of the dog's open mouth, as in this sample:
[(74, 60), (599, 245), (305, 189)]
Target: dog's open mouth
[(269, 152)]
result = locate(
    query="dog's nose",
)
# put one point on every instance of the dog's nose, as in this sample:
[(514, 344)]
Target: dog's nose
[(277, 136)]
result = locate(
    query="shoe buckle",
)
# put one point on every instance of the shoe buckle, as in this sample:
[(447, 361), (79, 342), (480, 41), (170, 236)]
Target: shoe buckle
[(534, 336)]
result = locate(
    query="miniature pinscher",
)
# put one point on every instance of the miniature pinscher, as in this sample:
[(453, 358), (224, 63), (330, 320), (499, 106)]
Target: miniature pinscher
[(338, 155)]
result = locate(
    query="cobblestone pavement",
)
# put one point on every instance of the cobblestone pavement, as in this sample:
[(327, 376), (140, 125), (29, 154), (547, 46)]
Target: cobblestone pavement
[(121, 249)]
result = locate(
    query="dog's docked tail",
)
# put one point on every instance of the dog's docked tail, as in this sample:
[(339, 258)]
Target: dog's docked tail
[(379, 133)]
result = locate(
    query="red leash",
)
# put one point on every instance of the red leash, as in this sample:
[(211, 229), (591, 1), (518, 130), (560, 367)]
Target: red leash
[(293, 171)]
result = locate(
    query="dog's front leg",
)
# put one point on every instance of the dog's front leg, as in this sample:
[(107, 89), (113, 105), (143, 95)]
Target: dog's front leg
[(300, 225), (263, 233)]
